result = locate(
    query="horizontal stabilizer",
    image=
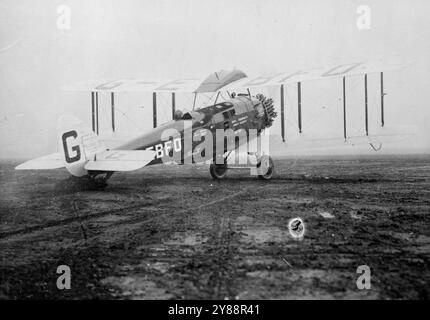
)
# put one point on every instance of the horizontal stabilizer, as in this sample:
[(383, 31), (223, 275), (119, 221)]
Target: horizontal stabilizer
[(120, 160), (51, 161)]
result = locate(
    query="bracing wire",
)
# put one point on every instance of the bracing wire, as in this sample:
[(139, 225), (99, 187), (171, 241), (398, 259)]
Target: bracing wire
[(128, 118)]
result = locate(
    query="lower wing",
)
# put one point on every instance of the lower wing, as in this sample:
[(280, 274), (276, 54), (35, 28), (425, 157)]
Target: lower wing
[(378, 136)]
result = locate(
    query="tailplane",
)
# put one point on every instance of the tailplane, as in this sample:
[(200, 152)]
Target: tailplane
[(81, 151)]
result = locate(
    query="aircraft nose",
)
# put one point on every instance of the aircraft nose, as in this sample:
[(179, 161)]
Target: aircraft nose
[(269, 109)]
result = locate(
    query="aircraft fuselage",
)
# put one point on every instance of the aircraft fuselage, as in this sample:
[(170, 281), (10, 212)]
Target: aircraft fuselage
[(241, 114)]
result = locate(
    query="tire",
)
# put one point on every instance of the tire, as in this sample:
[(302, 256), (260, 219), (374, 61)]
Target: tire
[(266, 167), (218, 171)]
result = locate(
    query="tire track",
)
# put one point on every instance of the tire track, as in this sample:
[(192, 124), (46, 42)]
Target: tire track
[(85, 218), (63, 222), (221, 252)]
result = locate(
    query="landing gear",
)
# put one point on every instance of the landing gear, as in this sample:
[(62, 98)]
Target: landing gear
[(98, 180), (218, 171), (265, 168)]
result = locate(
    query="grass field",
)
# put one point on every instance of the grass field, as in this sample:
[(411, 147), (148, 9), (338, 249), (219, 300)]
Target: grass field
[(173, 232)]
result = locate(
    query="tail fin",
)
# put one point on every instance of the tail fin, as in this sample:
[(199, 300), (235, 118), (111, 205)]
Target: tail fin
[(78, 144)]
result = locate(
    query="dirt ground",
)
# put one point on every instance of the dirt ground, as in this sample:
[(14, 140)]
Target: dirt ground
[(173, 232)]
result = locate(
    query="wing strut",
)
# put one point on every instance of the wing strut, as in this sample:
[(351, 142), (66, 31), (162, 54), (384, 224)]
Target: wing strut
[(93, 116), (195, 97), (173, 105), (382, 99), (154, 109), (97, 112), (344, 109), (299, 104), (112, 102), (366, 115), (282, 114), (217, 96)]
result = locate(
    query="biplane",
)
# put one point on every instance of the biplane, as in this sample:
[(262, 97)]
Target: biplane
[(207, 134)]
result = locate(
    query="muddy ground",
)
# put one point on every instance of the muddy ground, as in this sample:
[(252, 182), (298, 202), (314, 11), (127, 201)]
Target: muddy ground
[(172, 232)]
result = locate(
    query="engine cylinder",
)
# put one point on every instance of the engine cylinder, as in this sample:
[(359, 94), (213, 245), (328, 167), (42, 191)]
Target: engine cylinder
[(269, 109)]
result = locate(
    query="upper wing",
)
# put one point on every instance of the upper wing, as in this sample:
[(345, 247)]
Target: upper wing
[(228, 80), (135, 85), (341, 70), (212, 83)]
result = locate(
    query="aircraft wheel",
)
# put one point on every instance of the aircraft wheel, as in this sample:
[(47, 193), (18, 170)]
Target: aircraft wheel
[(218, 171), (266, 168), (98, 182)]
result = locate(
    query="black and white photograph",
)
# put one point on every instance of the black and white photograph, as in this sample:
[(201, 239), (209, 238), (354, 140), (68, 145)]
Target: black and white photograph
[(233, 151)]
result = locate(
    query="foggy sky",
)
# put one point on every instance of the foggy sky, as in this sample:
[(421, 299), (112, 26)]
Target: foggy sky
[(190, 39)]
